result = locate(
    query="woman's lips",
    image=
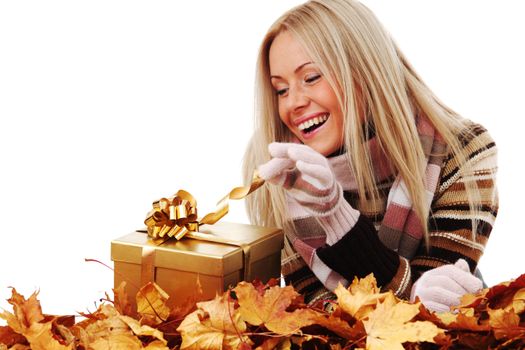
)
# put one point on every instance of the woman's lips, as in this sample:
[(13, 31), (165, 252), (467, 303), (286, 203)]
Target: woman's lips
[(320, 120)]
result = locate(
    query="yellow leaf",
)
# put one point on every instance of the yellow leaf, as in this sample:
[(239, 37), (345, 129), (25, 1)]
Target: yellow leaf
[(151, 302), (139, 330), (503, 319), (341, 327), (360, 298), (214, 325), (40, 337), (25, 312), (109, 326), (156, 345), (27, 320), (518, 302), (275, 343), (389, 326), (117, 342), (270, 309)]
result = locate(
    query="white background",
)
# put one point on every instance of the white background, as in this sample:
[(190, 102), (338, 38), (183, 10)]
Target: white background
[(106, 106)]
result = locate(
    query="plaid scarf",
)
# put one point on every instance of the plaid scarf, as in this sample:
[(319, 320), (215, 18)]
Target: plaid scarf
[(400, 230)]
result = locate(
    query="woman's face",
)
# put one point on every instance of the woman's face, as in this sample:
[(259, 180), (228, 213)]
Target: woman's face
[(307, 103)]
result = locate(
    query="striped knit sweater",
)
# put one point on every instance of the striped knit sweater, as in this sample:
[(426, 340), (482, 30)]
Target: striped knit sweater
[(361, 252)]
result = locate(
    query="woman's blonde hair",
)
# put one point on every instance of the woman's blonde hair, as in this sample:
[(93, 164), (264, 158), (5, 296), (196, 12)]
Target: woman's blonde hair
[(355, 53)]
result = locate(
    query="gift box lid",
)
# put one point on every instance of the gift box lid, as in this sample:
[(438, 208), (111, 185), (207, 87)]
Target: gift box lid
[(198, 256)]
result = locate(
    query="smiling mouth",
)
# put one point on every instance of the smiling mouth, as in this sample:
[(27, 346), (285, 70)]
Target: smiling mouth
[(313, 124)]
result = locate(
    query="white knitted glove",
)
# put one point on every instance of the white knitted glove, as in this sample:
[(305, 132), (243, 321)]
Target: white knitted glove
[(310, 181), (442, 287)]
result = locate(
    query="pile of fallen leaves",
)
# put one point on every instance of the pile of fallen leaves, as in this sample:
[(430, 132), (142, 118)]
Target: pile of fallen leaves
[(257, 316)]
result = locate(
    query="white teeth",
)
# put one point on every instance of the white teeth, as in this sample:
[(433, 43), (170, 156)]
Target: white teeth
[(314, 121)]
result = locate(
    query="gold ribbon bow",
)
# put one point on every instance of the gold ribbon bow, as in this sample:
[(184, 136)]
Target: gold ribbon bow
[(176, 216)]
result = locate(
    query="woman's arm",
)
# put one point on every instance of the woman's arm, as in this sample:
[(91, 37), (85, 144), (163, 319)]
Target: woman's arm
[(450, 237)]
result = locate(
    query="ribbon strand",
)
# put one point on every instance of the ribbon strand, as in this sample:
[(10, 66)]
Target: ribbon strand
[(176, 216)]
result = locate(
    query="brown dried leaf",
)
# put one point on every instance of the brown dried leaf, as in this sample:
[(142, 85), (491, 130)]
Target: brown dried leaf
[(9, 337), (389, 326), (27, 320), (25, 312), (121, 300), (214, 325), (281, 343), (270, 309), (40, 337), (156, 345), (151, 303), (116, 342), (518, 302), (341, 327), (360, 298), (145, 330)]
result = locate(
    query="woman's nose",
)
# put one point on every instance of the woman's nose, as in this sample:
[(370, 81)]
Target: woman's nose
[(297, 99)]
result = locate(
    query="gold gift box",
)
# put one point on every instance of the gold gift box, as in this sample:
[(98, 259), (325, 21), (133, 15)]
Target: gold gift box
[(176, 265)]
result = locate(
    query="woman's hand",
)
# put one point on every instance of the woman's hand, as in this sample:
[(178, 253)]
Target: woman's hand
[(309, 180), (442, 287)]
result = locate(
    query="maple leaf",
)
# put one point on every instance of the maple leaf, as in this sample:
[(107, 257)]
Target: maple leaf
[(389, 326), (121, 300), (280, 343), (270, 309), (214, 325), (117, 342), (26, 312), (15, 347), (27, 320), (9, 337), (143, 330), (151, 303), (505, 324), (518, 302), (341, 327), (360, 298)]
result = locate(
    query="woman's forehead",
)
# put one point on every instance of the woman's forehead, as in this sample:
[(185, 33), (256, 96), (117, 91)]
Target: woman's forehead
[(286, 55)]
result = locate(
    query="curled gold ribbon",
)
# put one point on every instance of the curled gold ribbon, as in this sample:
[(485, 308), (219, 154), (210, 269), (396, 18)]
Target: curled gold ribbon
[(176, 216)]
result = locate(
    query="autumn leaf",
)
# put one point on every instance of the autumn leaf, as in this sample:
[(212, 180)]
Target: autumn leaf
[(360, 298), (143, 330), (214, 325), (151, 303), (518, 302), (505, 323), (26, 312), (116, 342), (275, 343), (341, 327), (389, 326), (9, 337), (121, 300), (27, 320), (270, 309)]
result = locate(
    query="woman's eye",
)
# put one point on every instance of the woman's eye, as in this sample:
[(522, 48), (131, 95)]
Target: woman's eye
[(281, 92), (312, 78)]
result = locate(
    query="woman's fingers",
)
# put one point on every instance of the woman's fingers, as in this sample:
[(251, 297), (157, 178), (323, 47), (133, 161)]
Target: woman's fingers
[(319, 176), (296, 152), (275, 169)]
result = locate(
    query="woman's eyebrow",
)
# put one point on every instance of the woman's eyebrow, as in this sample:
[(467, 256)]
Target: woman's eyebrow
[(295, 71)]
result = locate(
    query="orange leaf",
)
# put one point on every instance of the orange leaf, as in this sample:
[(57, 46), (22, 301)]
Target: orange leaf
[(360, 298), (389, 326), (27, 320), (214, 325), (121, 300), (341, 327), (9, 337), (151, 303), (270, 309)]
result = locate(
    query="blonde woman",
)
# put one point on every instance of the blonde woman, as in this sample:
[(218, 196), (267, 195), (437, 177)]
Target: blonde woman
[(367, 171)]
